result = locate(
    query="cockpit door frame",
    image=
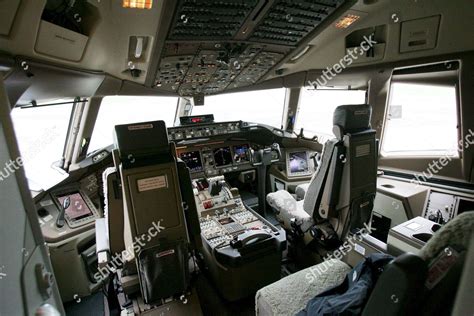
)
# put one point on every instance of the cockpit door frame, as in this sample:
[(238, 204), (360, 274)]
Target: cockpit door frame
[(27, 283)]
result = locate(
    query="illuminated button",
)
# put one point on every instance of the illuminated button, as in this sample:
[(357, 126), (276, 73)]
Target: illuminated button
[(207, 204)]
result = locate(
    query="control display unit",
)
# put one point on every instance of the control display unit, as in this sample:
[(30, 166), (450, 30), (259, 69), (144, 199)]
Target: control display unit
[(222, 156), (192, 159), (298, 163)]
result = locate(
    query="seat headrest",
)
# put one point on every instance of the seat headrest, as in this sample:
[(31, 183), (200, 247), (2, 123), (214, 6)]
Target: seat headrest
[(142, 139), (351, 118)]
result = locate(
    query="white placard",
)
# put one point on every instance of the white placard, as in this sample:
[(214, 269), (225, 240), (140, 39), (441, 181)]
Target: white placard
[(152, 183), (359, 249), (138, 127)]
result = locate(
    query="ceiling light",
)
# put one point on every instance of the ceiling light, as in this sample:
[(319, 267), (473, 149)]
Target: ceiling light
[(347, 21), (137, 4)]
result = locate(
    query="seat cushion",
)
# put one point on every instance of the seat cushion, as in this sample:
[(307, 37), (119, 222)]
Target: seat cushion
[(457, 231), (290, 295), (287, 207)]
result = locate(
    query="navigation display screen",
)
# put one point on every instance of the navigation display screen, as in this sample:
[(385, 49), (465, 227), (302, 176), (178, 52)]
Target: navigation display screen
[(241, 154), (222, 156), (192, 159), (299, 162), (77, 208)]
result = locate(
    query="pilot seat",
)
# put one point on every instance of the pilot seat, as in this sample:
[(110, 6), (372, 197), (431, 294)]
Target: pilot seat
[(146, 235), (340, 196)]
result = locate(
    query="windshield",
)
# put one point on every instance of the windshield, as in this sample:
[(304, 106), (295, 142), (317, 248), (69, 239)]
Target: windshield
[(116, 110), (41, 134), (261, 106)]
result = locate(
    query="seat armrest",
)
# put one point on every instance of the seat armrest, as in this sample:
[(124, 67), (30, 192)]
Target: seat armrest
[(102, 241), (301, 191)]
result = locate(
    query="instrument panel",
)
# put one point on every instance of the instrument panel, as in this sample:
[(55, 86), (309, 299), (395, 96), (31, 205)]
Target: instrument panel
[(215, 158)]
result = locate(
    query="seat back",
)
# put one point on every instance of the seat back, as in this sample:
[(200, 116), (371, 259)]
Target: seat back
[(155, 231), (426, 285), (344, 185)]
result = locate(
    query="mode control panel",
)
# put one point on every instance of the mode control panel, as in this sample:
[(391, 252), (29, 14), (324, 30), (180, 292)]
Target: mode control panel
[(200, 131)]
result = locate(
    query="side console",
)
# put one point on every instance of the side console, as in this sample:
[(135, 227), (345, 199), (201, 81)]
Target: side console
[(242, 251)]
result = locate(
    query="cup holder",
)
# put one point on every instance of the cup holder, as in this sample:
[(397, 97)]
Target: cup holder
[(424, 237)]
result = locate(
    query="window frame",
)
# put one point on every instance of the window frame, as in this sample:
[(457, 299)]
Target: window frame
[(423, 75), (69, 137)]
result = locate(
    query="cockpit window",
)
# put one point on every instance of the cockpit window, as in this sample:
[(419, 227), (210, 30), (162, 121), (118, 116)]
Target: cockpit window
[(421, 121), (117, 110), (41, 134), (316, 109), (261, 106)]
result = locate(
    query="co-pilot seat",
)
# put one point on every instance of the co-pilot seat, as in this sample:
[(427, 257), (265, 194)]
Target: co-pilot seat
[(152, 231), (343, 188)]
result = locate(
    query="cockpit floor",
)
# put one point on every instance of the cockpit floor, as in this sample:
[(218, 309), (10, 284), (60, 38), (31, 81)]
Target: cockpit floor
[(92, 305)]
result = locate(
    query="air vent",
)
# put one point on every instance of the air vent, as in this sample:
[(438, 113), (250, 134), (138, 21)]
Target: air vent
[(210, 19), (288, 22)]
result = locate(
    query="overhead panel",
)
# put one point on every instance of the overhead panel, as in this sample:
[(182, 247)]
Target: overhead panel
[(213, 20), (217, 45), (288, 22)]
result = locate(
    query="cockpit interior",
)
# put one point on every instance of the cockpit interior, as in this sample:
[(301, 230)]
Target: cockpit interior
[(236, 157)]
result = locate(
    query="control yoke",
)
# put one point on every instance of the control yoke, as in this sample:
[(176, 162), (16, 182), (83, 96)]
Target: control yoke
[(65, 206), (261, 159), (264, 156)]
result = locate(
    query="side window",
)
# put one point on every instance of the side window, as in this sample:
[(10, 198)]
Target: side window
[(41, 133), (421, 120)]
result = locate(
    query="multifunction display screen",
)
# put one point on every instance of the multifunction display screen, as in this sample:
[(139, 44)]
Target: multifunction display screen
[(241, 154), (192, 159), (299, 162), (222, 156)]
